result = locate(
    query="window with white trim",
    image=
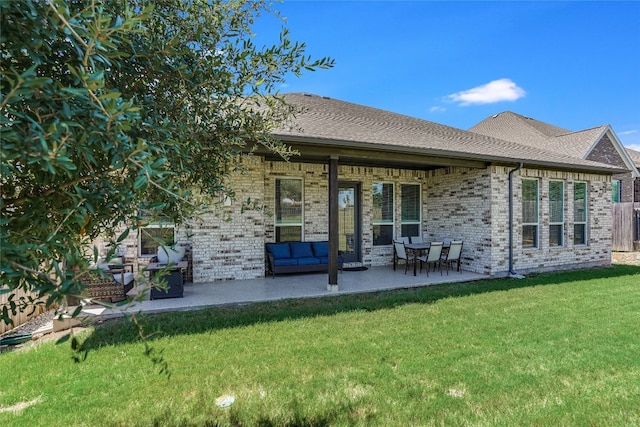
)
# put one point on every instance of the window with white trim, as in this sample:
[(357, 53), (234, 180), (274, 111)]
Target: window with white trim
[(530, 214), (556, 213), (410, 209), (382, 218), (580, 213), (289, 209), (153, 235)]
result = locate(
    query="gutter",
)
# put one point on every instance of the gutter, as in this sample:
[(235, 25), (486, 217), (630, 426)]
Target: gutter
[(512, 273)]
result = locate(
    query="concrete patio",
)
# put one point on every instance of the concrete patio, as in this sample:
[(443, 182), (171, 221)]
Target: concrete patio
[(203, 295)]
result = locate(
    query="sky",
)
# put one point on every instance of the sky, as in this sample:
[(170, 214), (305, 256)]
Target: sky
[(573, 64)]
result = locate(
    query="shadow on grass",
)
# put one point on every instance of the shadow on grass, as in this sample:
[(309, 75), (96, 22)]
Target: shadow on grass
[(295, 416), (120, 331)]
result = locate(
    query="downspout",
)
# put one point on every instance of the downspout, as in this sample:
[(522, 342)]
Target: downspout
[(511, 272)]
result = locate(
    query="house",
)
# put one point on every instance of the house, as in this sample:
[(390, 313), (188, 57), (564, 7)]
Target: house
[(365, 176)]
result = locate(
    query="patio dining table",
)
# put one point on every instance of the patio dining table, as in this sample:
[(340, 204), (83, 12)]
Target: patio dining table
[(420, 247)]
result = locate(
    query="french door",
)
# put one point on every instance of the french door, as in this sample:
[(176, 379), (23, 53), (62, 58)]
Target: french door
[(349, 227)]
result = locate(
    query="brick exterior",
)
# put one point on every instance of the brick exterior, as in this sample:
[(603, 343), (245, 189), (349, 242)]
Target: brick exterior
[(627, 184), (605, 152), (227, 242), (599, 222)]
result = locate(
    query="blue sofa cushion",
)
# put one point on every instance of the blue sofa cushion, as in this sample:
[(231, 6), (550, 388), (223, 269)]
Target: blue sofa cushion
[(308, 261), (325, 259), (301, 250), (281, 262), (279, 250), (321, 249)]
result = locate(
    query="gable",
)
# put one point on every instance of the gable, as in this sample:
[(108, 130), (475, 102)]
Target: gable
[(605, 152), (599, 144)]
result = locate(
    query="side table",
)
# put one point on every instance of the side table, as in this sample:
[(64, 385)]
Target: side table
[(172, 274)]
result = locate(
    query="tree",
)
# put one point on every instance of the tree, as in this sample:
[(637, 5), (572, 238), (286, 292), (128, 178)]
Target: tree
[(116, 109)]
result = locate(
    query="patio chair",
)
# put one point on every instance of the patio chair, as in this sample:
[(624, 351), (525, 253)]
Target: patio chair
[(452, 255), (109, 285), (432, 257), (400, 253), (446, 242), (416, 239)]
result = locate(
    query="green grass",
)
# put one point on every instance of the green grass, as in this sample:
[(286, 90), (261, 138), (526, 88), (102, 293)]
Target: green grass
[(558, 349)]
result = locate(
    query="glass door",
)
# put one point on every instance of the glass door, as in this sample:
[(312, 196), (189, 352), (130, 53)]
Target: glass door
[(349, 220)]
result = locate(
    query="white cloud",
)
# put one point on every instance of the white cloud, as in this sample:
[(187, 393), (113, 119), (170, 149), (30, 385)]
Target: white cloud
[(437, 109), (492, 92), (633, 146), (627, 132)]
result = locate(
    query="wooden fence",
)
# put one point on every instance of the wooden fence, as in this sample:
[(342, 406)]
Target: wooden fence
[(20, 317), (626, 226)]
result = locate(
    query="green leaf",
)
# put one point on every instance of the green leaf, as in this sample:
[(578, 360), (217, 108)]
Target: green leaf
[(140, 182), (123, 235), (110, 95)]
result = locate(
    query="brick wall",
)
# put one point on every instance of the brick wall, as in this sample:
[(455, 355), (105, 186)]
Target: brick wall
[(459, 205), (605, 152), (627, 187), (227, 242), (598, 250)]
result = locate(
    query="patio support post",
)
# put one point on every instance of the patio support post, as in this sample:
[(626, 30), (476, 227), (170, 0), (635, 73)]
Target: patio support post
[(332, 286)]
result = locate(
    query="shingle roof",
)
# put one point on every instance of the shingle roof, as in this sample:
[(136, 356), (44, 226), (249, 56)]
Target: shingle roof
[(525, 130), (325, 121), (528, 131), (635, 156)]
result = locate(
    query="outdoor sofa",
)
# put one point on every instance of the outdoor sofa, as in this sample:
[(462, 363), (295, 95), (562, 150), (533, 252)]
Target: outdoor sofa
[(299, 257)]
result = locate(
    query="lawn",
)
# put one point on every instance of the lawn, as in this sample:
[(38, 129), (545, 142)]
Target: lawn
[(558, 349)]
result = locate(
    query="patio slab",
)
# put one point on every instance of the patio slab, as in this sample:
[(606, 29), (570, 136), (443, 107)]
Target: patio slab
[(203, 295)]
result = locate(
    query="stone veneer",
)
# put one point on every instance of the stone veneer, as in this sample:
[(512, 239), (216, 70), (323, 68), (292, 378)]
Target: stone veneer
[(227, 243)]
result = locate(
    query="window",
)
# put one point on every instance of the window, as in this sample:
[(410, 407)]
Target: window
[(556, 213), (154, 235), (616, 191), (382, 214), (530, 213), (580, 213), (411, 208), (289, 205)]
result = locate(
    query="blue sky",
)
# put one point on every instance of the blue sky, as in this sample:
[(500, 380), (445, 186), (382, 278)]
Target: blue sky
[(573, 64)]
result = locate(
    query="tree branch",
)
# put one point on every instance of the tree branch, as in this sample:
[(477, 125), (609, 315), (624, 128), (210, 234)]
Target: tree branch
[(7, 203)]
